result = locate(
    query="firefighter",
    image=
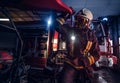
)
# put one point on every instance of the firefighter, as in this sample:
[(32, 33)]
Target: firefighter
[(82, 48)]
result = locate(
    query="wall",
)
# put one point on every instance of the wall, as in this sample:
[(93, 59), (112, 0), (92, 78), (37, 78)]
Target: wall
[(115, 32), (7, 40)]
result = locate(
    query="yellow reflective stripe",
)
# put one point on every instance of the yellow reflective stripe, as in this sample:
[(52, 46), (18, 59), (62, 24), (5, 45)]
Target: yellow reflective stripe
[(79, 67), (76, 67), (90, 60), (61, 21), (88, 46), (93, 60)]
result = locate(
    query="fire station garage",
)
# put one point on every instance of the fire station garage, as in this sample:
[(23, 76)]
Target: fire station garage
[(32, 50)]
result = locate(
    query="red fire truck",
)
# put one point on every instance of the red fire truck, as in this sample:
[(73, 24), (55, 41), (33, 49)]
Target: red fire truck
[(107, 59)]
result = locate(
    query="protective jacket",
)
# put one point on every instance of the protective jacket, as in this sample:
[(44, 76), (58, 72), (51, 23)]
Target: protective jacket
[(83, 51)]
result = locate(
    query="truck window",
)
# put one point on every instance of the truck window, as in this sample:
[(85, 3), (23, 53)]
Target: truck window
[(99, 32)]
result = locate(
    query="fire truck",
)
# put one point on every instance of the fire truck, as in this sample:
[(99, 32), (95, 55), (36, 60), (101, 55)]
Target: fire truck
[(29, 48), (107, 59)]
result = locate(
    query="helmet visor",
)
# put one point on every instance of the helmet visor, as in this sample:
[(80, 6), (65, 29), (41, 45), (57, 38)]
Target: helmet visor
[(81, 21)]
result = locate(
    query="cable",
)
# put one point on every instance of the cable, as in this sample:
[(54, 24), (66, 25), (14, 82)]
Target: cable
[(7, 27), (6, 12)]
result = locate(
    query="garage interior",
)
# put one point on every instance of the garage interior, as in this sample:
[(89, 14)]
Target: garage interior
[(25, 34)]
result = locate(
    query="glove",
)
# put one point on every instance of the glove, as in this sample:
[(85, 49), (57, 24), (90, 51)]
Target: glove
[(67, 15), (86, 61), (64, 16)]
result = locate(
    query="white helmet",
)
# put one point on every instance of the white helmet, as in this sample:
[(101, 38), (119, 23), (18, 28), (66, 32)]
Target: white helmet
[(85, 13)]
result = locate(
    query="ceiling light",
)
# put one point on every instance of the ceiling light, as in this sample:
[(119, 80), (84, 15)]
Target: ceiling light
[(49, 21), (4, 19)]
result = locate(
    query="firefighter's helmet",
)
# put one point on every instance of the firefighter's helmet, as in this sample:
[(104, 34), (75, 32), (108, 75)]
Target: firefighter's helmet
[(83, 17), (85, 13)]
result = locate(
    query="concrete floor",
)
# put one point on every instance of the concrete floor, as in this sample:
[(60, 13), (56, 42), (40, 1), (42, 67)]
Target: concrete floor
[(107, 75), (104, 75)]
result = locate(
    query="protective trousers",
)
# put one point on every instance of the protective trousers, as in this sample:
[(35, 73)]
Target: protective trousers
[(72, 75)]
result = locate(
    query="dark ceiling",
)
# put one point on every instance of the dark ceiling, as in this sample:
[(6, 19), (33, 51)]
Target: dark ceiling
[(33, 10), (98, 7), (19, 15)]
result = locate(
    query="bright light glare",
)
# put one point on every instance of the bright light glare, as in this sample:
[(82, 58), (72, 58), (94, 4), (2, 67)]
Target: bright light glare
[(49, 21), (73, 38), (55, 41)]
